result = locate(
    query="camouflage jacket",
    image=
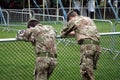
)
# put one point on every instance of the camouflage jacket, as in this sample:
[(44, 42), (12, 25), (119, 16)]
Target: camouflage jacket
[(83, 27), (42, 37)]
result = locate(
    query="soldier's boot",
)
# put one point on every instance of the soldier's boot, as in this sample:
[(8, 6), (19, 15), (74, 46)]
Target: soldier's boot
[(86, 76), (94, 66), (35, 71), (89, 73), (95, 60)]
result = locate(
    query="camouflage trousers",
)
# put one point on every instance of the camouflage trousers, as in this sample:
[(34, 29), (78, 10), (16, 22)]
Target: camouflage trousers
[(44, 67), (89, 58)]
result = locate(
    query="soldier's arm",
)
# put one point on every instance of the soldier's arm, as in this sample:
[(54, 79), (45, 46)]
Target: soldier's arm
[(24, 34), (68, 29)]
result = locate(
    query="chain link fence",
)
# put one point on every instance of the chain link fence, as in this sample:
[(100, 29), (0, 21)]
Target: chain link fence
[(17, 59)]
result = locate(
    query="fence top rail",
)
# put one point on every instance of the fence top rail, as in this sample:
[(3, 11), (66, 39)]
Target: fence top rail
[(19, 12), (110, 33), (49, 15), (58, 37), (8, 40), (102, 20)]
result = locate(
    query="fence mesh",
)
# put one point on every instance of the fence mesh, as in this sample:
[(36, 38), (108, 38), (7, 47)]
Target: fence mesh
[(17, 60), (17, 57)]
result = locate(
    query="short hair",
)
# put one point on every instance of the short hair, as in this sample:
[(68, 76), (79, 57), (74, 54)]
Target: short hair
[(71, 14), (32, 23)]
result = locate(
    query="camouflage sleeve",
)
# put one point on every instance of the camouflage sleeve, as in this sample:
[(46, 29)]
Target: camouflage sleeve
[(66, 30), (52, 30), (24, 34), (19, 35)]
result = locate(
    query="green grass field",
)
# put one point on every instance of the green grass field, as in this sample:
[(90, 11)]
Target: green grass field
[(17, 58)]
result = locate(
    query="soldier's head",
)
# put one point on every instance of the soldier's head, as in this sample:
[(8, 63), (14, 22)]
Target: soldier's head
[(32, 23), (71, 14)]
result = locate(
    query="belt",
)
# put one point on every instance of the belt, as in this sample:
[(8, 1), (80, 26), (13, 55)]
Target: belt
[(89, 41), (46, 54)]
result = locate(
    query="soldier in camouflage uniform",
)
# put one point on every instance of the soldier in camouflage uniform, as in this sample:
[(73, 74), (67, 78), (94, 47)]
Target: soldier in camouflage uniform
[(43, 39), (88, 37)]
